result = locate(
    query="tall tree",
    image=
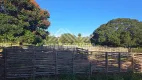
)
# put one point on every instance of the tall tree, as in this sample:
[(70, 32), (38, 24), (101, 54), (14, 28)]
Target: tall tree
[(80, 39), (20, 19), (119, 32)]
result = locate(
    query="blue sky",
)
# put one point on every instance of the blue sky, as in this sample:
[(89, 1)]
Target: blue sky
[(84, 16)]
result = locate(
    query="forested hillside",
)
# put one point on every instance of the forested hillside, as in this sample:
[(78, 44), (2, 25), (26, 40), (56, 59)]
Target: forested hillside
[(123, 32), (23, 21)]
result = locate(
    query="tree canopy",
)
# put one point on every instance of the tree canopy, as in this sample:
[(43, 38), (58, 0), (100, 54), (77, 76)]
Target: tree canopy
[(123, 32), (67, 38), (23, 21)]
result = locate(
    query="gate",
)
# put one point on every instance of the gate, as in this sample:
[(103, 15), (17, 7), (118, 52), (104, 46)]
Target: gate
[(119, 62)]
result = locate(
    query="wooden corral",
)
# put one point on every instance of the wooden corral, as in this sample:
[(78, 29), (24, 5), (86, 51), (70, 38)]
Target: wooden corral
[(137, 62), (44, 61)]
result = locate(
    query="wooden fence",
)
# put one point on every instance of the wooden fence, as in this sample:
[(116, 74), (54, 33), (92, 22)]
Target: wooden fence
[(1, 67), (32, 62)]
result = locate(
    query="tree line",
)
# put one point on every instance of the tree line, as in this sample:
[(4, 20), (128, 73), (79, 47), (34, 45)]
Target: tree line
[(24, 21), (67, 38)]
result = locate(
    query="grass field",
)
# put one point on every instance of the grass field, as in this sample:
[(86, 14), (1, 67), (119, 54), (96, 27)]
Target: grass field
[(137, 50), (91, 48)]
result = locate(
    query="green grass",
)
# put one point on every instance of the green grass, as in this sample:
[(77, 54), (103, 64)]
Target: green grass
[(99, 76), (137, 50)]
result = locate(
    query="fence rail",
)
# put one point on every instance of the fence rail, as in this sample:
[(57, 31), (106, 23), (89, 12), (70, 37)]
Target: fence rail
[(35, 61)]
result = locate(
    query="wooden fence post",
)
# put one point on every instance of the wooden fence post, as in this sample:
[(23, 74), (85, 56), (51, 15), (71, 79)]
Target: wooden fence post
[(73, 61), (56, 68), (119, 61), (90, 71), (133, 61), (90, 65), (106, 61), (5, 55), (33, 60)]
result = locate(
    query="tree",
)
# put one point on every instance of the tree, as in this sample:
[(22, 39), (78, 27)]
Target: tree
[(80, 39), (52, 40), (119, 32), (79, 35), (20, 19), (86, 39), (68, 38)]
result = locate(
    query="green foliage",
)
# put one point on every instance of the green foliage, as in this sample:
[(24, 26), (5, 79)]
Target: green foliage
[(79, 35), (72, 39), (123, 32), (52, 40), (137, 50), (28, 37), (68, 38), (23, 21)]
